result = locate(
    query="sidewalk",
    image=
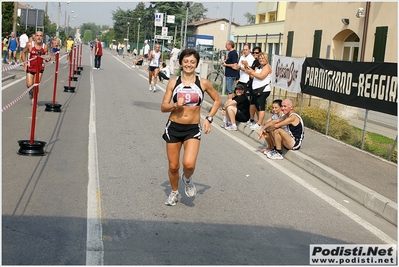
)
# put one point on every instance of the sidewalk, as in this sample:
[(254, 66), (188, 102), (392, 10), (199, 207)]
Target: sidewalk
[(367, 179)]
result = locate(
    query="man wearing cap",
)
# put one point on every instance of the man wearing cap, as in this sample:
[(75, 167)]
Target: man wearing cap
[(246, 60), (236, 109)]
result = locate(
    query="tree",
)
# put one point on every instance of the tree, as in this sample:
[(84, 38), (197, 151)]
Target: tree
[(250, 18), (108, 36), (88, 36), (92, 27), (7, 13), (196, 12)]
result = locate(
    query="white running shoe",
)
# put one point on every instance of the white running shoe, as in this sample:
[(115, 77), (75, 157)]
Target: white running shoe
[(133, 66), (154, 89), (276, 155), (150, 87), (249, 123), (255, 127), (231, 128), (172, 199), (190, 188)]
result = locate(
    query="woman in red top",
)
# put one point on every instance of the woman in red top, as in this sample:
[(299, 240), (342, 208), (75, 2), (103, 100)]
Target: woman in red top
[(35, 49)]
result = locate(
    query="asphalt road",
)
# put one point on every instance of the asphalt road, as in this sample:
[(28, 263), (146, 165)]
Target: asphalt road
[(98, 195)]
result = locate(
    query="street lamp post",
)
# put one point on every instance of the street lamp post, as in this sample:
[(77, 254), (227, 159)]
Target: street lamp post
[(185, 29), (138, 34), (127, 36)]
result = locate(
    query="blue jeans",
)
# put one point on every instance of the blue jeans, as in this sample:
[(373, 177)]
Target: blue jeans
[(230, 81), (5, 56)]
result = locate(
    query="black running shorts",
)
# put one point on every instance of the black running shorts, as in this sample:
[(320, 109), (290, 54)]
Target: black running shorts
[(176, 132)]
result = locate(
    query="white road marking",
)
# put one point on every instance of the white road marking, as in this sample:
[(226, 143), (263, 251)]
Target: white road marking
[(94, 244), (368, 226)]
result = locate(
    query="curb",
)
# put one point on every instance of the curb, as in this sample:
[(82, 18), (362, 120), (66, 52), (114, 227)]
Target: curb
[(8, 77), (365, 196)]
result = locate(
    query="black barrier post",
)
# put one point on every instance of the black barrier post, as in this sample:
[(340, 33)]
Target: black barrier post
[(32, 147), (53, 106), (69, 88)]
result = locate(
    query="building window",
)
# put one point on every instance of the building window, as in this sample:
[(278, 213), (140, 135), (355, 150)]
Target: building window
[(290, 41), (272, 16), (380, 43), (351, 48), (317, 43)]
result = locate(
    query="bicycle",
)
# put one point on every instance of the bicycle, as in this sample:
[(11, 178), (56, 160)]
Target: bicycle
[(216, 77)]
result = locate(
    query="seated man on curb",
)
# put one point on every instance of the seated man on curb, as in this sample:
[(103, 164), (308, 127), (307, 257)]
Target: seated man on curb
[(138, 62), (291, 139), (236, 109)]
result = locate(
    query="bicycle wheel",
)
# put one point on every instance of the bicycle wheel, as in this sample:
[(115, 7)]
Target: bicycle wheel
[(216, 80)]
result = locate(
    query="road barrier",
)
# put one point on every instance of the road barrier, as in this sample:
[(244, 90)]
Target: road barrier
[(34, 147)]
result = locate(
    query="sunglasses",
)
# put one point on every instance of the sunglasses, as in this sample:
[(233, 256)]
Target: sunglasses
[(255, 53)]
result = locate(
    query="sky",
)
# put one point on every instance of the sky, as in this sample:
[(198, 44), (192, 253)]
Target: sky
[(99, 12)]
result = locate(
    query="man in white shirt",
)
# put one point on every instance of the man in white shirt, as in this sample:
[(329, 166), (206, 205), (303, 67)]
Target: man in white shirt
[(146, 50), (246, 60), (23, 39), (173, 59)]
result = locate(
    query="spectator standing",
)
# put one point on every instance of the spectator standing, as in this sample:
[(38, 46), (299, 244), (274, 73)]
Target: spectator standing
[(98, 52), (183, 129), (246, 60), (252, 108), (146, 50), (231, 68), (36, 48), (23, 39), (5, 49), (134, 52), (13, 45), (236, 109), (173, 59), (292, 139), (164, 73), (154, 57), (261, 87), (121, 48)]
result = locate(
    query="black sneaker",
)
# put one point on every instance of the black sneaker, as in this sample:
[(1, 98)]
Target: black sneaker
[(30, 93)]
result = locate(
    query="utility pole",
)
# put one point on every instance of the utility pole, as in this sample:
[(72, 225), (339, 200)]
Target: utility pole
[(231, 17), (14, 19), (57, 33)]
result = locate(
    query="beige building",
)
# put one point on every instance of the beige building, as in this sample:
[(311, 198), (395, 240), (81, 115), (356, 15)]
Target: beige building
[(268, 30), (218, 28), (358, 31)]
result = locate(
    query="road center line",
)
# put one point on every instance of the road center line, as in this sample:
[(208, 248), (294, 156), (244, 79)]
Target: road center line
[(94, 244)]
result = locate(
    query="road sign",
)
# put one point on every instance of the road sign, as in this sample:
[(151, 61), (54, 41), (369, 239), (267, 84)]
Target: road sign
[(163, 37), (164, 31)]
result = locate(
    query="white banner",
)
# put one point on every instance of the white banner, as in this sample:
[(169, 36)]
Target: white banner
[(158, 19), (170, 19), (287, 73)]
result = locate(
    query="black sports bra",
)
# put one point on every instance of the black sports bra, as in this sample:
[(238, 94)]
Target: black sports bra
[(193, 94)]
